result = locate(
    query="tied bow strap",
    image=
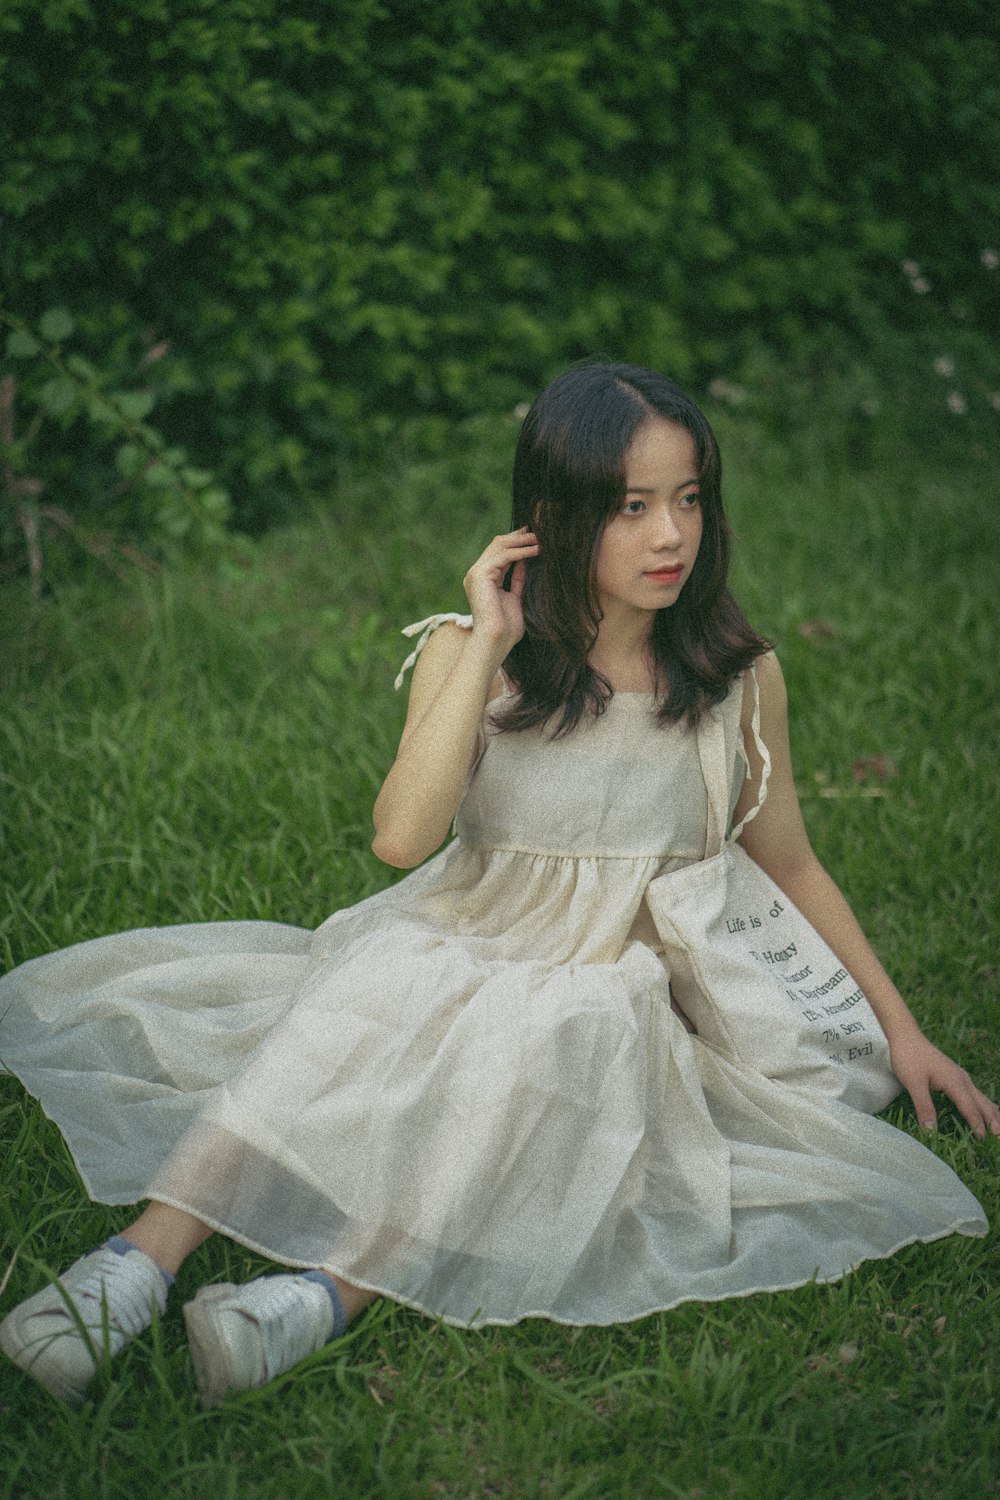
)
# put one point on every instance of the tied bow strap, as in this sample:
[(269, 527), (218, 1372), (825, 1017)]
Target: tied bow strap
[(765, 757), (428, 627)]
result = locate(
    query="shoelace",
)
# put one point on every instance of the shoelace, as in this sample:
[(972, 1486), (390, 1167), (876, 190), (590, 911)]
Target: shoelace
[(127, 1294), (288, 1333)]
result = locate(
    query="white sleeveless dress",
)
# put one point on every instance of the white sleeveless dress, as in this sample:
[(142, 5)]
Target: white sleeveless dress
[(470, 1091)]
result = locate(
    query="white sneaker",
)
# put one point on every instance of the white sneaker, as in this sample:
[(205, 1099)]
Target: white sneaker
[(114, 1297), (243, 1336)]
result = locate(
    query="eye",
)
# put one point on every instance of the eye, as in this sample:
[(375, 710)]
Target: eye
[(689, 501), (627, 508)]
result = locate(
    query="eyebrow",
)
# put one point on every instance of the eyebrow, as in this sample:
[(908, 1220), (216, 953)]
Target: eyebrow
[(637, 489)]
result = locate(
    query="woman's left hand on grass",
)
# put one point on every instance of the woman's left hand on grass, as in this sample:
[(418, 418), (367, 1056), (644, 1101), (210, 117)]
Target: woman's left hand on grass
[(921, 1067)]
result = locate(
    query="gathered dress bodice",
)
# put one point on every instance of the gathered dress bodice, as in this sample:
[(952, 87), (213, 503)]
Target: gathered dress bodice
[(558, 838)]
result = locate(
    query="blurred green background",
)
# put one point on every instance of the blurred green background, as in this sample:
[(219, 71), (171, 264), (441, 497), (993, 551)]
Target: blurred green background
[(246, 243)]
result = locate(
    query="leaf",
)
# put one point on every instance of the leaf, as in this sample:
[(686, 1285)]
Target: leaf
[(161, 477), (131, 460), (134, 405), (22, 345), (58, 396), (196, 478), (56, 325), (878, 768), (100, 410), (80, 367), (818, 630), (215, 502), (175, 523)]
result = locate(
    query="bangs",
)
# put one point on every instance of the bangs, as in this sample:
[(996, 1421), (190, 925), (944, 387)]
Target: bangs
[(569, 479), (571, 455)]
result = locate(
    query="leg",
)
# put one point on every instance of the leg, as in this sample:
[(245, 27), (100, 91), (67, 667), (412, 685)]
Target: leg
[(167, 1235), (354, 1299)]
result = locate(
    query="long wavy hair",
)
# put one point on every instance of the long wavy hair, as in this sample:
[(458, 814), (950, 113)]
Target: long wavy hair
[(569, 479)]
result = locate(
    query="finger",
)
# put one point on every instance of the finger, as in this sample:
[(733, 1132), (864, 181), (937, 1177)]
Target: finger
[(968, 1108), (522, 537), (921, 1097), (503, 550), (976, 1109), (982, 1114), (497, 559), (517, 578)]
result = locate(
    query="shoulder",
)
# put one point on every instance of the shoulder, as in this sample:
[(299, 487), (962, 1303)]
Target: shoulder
[(436, 661), (769, 673), (444, 646), (770, 687)]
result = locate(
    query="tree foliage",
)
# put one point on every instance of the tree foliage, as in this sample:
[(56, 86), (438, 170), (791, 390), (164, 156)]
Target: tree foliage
[(342, 213), (155, 489)]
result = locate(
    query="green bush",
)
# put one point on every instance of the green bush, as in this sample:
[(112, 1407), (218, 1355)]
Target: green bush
[(121, 464), (345, 214)]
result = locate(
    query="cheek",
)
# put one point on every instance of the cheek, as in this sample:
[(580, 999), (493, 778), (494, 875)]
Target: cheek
[(607, 553)]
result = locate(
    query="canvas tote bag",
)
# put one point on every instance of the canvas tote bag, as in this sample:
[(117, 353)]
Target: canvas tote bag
[(758, 983)]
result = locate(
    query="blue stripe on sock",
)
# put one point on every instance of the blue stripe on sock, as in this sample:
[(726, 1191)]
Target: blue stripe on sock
[(339, 1315), (121, 1246)]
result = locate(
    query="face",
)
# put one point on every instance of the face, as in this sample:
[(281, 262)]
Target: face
[(648, 547)]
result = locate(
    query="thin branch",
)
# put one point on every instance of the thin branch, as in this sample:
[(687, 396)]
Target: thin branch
[(101, 544), (8, 395), (26, 517)]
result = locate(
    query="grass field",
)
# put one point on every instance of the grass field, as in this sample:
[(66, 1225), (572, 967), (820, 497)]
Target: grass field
[(207, 744)]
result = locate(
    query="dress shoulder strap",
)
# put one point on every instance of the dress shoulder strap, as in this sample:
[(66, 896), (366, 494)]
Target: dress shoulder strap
[(425, 629), (765, 758), (719, 738)]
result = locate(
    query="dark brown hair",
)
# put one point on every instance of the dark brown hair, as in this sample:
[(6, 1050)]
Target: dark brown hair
[(569, 479)]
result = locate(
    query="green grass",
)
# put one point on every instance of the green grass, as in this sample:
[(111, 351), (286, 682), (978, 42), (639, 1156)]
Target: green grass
[(207, 745)]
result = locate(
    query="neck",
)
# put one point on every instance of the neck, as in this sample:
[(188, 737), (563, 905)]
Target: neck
[(622, 652)]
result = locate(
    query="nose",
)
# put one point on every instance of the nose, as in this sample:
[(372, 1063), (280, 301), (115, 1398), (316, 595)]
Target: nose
[(668, 533)]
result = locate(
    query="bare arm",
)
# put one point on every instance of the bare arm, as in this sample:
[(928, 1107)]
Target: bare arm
[(453, 680), (776, 839)]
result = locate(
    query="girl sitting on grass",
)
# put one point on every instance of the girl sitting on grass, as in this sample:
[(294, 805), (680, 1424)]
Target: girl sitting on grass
[(475, 1092)]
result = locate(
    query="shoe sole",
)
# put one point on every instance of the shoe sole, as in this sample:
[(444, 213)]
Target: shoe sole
[(210, 1354), (19, 1352)]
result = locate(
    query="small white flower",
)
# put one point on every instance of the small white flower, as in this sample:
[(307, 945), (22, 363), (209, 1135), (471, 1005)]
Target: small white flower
[(994, 399), (911, 268), (956, 403), (990, 259), (944, 366), (522, 409), (920, 284)]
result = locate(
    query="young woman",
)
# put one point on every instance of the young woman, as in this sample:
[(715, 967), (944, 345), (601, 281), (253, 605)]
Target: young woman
[(475, 1092)]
